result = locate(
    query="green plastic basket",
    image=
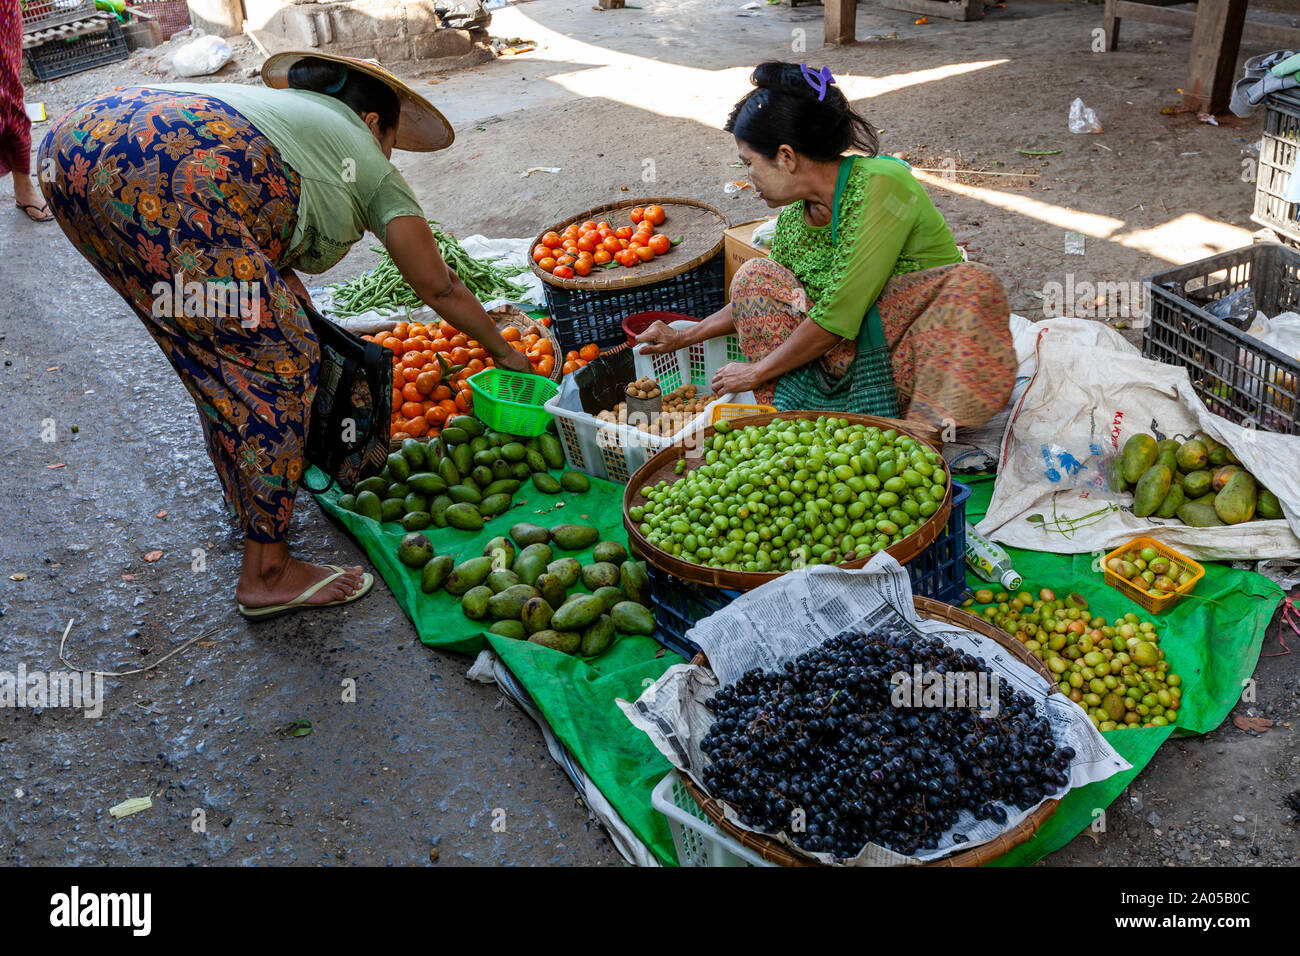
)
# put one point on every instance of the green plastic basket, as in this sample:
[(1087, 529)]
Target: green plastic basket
[(511, 402)]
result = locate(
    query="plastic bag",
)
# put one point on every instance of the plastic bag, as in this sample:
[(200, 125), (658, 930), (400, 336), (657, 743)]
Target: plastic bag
[(1282, 332), (762, 236), (200, 57), (1077, 462), (1082, 118), (1235, 307)]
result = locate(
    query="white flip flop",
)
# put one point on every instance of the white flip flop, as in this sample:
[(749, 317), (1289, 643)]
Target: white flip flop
[(300, 602)]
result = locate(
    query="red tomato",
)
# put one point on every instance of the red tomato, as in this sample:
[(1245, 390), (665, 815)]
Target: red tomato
[(583, 267), (660, 244), (612, 244), (563, 272), (587, 226), (547, 264), (655, 214), (588, 241), (566, 260), (637, 213), (623, 232), (601, 255), (645, 253), (551, 239)]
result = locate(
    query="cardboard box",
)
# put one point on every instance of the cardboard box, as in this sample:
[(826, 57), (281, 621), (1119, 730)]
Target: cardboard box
[(737, 249)]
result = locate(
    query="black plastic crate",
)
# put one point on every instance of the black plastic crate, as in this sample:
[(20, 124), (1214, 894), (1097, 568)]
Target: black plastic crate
[(938, 572), (1277, 155), (579, 316), (63, 57), (1234, 374), (43, 14)]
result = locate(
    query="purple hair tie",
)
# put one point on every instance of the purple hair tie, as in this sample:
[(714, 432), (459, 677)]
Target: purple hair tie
[(820, 81)]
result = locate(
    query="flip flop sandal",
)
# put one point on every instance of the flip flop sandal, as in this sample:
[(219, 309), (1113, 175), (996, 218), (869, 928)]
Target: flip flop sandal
[(300, 602), (28, 207)]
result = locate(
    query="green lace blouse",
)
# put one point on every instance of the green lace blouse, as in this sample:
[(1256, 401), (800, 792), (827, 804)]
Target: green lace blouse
[(887, 227)]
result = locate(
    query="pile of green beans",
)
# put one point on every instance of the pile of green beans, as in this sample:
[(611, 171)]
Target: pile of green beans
[(792, 493), (383, 289)]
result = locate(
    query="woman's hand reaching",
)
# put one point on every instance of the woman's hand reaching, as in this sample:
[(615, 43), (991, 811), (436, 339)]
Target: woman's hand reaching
[(514, 361), (659, 338), (734, 378)]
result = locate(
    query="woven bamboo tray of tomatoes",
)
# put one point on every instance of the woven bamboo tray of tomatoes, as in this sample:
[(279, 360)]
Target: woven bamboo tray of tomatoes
[(628, 243)]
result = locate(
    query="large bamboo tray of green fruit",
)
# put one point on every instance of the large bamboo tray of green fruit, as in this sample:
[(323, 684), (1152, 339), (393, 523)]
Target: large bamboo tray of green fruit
[(774, 852), (664, 467)]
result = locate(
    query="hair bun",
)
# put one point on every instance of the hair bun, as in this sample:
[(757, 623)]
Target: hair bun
[(317, 75), (787, 77)]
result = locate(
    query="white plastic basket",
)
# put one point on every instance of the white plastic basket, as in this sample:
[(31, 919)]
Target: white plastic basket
[(693, 365), (698, 840), (609, 450)]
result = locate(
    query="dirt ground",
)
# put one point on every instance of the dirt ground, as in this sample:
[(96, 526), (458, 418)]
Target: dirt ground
[(633, 98)]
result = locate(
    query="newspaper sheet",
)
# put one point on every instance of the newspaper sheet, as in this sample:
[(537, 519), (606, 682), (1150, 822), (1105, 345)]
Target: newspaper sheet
[(798, 611)]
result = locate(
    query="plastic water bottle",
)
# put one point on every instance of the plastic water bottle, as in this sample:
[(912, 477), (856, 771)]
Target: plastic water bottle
[(989, 561)]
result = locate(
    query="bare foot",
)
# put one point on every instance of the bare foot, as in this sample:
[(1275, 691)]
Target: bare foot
[(271, 576)]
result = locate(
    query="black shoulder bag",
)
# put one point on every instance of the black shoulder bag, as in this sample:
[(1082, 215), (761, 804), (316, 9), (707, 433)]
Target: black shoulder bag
[(348, 436)]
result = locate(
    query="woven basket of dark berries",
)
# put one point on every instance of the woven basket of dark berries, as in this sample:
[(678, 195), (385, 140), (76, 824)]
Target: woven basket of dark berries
[(928, 765)]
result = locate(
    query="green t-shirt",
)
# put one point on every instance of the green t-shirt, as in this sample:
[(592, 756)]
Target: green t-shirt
[(348, 186), (887, 226)]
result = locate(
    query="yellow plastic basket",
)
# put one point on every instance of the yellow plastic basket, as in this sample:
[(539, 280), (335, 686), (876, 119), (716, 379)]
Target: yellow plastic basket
[(727, 410), (1154, 603)]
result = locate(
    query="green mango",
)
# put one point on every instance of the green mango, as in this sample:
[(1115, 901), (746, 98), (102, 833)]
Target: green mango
[(474, 605), (416, 502), (415, 550), (464, 516), (346, 502), (482, 476), (602, 574), (1237, 501), (416, 454), (632, 618), (539, 549), (502, 469), (463, 459), (1151, 490), (502, 578), (577, 614), (1267, 506), (1199, 514), (567, 642), (513, 452), (1167, 444), (375, 485), (494, 505), (465, 494), (597, 637), (635, 581), (1173, 501), (1198, 483), (609, 551), (416, 521), (438, 510), (369, 506), (1192, 456), (529, 567), (551, 588), (392, 509), (1168, 458), (609, 596), (520, 472), (567, 570), (509, 604), (1216, 453), (468, 574), (504, 548), (486, 457), (502, 486), (546, 484), (526, 534), (427, 483), (512, 629), (454, 436), (448, 472), (1138, 455), (574, 537), (435, 573), (575, 482), (536, 615), (398, 466), (479, 443), (470, 425), (551, 450), (534, 460)]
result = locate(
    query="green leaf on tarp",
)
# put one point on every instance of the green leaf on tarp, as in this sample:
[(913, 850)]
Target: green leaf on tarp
[(298, 728), (1211, 638)]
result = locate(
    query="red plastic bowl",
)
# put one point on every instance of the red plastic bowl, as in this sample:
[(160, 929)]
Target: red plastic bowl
[(638, 322)]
